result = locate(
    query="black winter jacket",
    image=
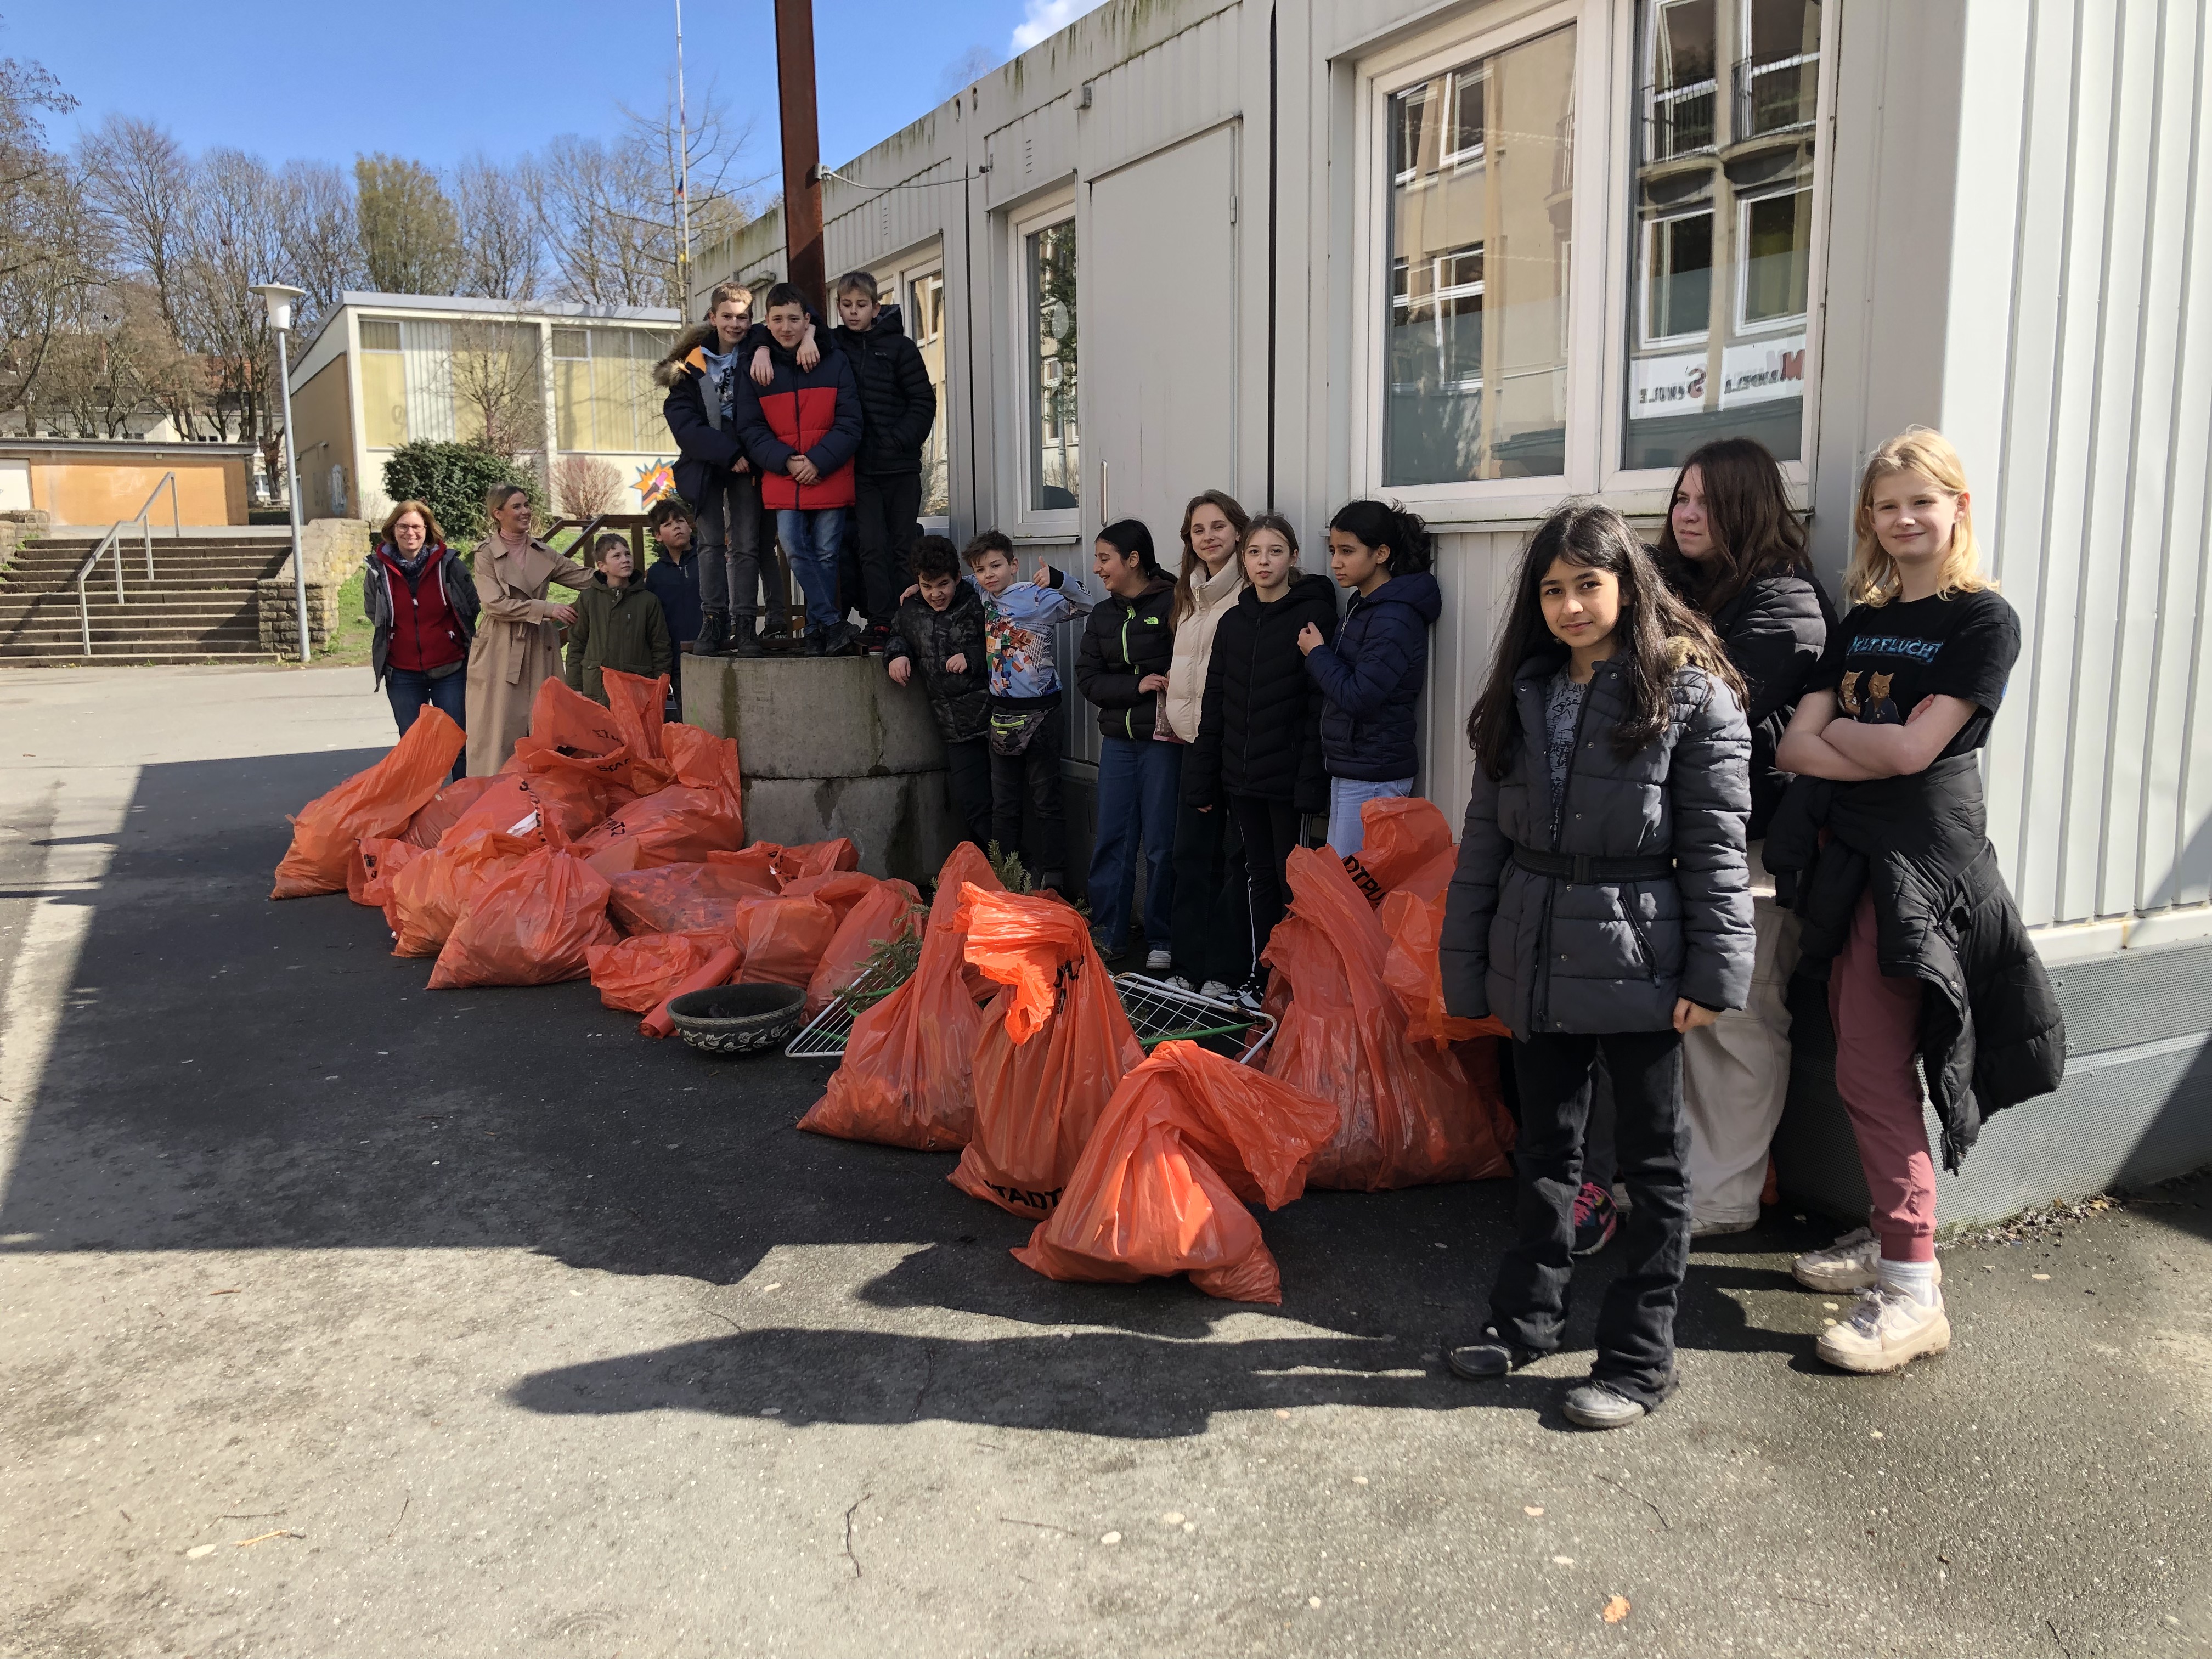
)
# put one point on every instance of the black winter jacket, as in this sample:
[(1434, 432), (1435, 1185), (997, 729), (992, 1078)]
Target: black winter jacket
[(1258, 729), (1774, 632), (376, 605), (1545, 953), (1372, 674), (1123, 641), (705, 449), (929, 639), (1991, 1034), (899, 405)]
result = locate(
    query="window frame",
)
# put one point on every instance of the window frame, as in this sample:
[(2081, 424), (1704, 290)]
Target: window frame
[(1616, 480), (1380, 77), (895, 281), (1742, 302), (1648, 233), (1058, 207)]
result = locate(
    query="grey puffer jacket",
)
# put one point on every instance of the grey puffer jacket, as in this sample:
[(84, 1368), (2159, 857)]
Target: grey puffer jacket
[(1545, 954)]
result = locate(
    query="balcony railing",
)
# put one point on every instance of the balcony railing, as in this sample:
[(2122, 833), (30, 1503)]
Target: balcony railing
[(1679, 120), (1775, 97)]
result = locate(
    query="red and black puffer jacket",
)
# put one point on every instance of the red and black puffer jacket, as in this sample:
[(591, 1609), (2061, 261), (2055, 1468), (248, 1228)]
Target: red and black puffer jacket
[(812, 412)]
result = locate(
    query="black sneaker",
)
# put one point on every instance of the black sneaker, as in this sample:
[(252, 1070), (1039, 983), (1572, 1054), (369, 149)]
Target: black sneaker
[(842, 641), (1252, 995), (1488, 1357)]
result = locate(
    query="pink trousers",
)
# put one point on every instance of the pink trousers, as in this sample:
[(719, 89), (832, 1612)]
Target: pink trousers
[(1877, 1021)]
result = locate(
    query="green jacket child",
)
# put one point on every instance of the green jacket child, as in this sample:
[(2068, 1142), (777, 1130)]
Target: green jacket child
[(619, 624)]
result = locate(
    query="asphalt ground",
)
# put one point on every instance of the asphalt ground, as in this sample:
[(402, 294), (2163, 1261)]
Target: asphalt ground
[(340, 1317)]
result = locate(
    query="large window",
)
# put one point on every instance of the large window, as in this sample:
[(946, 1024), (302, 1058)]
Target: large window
[(1481, 166), (604, 395), (383, 384), (1723, 198), (1056, 454)]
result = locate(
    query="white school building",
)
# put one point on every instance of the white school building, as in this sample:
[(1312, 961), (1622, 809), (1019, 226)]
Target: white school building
[(1481, 256)]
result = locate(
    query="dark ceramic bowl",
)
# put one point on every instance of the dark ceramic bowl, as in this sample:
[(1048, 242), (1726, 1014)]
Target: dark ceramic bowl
[(738, 1020)]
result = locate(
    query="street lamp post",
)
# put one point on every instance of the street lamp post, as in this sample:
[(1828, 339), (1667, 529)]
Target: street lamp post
[(277, 298)]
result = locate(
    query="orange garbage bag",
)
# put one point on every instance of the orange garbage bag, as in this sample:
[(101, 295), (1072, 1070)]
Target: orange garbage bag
[(605, 778), (840, 890), (1055, 1047), (531, 924), (700, 759), (443, 809), (781, 941), (1428, 883), (905, 1081), (1414, 972), (755, 863), (1188, 1141), (1401, 835), (636, 703), (562, 719), (817, 857), (637, 975), (674, 825), (716, 970), (375, 861), (1406, 1114), (889, 910), (683, 898), (537, 807), (377, 801), (429, 895)]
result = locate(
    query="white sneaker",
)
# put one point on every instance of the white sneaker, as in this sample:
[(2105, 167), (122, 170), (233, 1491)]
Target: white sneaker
[(1704, 1227), (1853, 1262), (1886, 1331), (1158, 962), (1177, 983), (1218, 991)]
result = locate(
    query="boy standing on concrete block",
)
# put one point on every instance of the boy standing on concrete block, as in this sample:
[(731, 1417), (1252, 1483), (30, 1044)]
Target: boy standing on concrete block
[(898, 406)]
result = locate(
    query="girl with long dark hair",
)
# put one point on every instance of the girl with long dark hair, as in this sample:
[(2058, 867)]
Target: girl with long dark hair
[(1602, 908), (1736, 551)]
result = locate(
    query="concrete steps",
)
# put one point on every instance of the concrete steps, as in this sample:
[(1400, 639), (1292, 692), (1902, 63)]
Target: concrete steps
[(202, 604)]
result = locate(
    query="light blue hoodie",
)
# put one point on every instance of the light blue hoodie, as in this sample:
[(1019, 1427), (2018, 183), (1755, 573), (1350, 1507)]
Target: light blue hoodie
[(1017, 628)]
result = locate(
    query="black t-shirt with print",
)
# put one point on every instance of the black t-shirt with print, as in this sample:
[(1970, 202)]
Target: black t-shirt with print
[(1882, 659)]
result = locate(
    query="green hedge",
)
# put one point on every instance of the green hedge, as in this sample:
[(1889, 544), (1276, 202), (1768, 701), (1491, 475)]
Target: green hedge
[(453, 478)]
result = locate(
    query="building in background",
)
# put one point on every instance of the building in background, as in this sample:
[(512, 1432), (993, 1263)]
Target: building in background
[(559, 383), (1482, 256)]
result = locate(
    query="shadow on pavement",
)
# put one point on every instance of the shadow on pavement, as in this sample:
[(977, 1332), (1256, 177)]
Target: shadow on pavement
[(233, 1074)]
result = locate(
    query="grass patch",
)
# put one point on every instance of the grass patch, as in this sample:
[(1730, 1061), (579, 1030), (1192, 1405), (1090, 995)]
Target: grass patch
[(349, 644)]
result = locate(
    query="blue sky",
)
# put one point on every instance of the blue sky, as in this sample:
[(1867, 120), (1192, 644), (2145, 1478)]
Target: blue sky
[(441, 79)]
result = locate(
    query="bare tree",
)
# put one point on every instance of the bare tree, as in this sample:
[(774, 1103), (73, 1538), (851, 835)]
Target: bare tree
[(498, 396), (50, 251), (319, 234), (500, 245), (409, 237), (585, 486)]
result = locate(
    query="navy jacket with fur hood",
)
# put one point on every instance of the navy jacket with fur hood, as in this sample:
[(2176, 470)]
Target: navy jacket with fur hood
[(1371, 675)]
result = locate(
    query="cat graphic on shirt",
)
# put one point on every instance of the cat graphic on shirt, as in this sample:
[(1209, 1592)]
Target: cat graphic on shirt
[(1881, 708)]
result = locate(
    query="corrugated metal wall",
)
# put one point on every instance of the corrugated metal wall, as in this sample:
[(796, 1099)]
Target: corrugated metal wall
[(2101, 769)]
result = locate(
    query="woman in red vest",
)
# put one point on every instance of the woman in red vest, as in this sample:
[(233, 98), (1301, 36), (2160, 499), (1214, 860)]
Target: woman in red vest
[(422, 603)]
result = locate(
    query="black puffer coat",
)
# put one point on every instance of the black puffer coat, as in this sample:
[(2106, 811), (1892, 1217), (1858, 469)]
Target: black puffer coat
[(1124, 640), (1774, 632), (1547, 954), (1259, 728), (897, 404), (1991, 1034), (927, 638)]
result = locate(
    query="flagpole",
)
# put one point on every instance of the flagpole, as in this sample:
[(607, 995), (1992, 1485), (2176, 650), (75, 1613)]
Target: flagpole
[(683, 169)]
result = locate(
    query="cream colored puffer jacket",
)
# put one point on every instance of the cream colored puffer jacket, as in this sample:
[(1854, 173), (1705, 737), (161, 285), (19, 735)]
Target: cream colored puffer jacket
[(1193, 646)]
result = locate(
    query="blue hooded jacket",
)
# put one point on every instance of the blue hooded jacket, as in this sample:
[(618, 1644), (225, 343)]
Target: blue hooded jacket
[(1370, 676)]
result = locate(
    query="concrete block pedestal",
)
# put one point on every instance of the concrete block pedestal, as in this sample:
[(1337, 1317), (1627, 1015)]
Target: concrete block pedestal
[(829, 747)]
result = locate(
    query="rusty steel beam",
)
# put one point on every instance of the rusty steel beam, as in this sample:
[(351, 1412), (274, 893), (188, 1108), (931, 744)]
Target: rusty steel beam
[(802, 150)]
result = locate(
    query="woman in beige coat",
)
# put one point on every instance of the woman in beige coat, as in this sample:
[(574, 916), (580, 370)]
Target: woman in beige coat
[(1212, 913), (518, 641)]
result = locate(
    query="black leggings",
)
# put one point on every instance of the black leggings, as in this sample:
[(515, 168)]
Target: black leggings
[(1270, 828)]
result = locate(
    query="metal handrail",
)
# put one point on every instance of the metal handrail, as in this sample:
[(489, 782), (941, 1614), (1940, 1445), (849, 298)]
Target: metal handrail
[(113, 538)]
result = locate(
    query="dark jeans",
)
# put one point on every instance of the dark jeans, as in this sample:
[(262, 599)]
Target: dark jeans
[(1270, 831), (968, 766), (1213, 916), (1031, 778), (886, 511), (1528, 1298), (1139, 788), (737, 560), (410, 689), (813, 538)]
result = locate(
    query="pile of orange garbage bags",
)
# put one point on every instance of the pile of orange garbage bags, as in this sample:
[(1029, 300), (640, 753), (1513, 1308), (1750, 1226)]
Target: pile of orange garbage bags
[(610, 846)]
